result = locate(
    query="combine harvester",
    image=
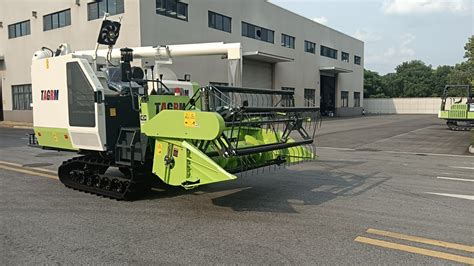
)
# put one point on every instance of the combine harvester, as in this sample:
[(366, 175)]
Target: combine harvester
[(116, 116), (460, 117)]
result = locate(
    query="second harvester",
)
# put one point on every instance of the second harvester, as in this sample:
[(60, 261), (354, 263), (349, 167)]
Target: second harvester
[(460, 116)]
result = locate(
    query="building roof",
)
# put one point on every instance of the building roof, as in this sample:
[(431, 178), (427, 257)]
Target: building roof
[(334, 70), (266, 57)]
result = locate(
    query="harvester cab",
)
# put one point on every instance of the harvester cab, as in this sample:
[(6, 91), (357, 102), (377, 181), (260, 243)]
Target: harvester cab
[(116, 115), (460, 115)]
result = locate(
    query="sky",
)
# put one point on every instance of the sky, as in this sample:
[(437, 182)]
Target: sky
[(394, 31)]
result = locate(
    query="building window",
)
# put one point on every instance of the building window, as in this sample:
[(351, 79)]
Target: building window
[(258, 33), (345, 99), (19, 29), (287, 41), (309, 47), (357, 60), (172, 8), (345, 57), (309, 97), (57, 20), (328, 52), (21, 97), (97, 9), (287, 100), (356, 99), (220, 22)]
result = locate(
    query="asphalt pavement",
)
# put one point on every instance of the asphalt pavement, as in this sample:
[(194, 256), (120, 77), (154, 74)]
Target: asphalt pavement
[(386, 190)]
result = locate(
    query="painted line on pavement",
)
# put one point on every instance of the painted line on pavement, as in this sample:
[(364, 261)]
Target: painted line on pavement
[(462, 167), (415, 250), (337, 149), (455, 179), (422, 240), (34, 168), (429, 154), (14, 169), (468, 197), (402, 152)]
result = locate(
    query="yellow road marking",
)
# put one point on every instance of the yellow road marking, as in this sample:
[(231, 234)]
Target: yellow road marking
[(35, 168), (410, 249), (27, 172), (422, 240)]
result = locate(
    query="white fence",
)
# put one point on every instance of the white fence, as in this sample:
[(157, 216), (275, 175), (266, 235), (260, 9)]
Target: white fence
[(404, 105)]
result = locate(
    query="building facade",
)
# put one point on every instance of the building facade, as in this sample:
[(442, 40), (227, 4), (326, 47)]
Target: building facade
[(281, 50)]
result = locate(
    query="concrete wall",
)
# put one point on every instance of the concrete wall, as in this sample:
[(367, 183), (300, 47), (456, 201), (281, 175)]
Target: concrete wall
[(404, 105), (345, 111)]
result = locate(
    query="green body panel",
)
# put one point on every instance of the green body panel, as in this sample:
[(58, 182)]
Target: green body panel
[(189, 167), (178, 124), (443, 114), (457, 112), (153, 104), (197, 91), (53, 138)]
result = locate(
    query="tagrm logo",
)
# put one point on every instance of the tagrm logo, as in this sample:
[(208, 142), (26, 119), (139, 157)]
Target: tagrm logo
[(49, 95)]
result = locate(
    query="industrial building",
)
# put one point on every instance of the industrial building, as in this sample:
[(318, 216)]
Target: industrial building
[(281, 50)]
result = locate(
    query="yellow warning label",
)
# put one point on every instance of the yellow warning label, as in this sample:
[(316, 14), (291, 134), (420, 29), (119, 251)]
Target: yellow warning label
[(190, 119), (159, 148), (113, 112), (47, 63)]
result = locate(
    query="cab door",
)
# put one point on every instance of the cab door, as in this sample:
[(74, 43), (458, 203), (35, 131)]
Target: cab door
[(86, 107)]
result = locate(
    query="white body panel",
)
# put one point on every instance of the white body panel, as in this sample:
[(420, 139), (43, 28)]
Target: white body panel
[(185, 87), (50, 74)]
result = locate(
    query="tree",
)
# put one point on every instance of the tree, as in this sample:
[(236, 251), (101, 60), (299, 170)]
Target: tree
[(392, 85), (416, 79), (373, 85), (469, 48), (440, 79), (463, 73)]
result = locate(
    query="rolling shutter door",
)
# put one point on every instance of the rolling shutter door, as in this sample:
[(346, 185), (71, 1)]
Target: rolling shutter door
[(257, 74)]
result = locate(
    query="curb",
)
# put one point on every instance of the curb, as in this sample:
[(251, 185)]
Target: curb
[(23, 127), (7, 124)]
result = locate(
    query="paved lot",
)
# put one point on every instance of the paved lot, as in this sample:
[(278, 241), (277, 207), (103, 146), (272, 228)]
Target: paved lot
[(376, 176)]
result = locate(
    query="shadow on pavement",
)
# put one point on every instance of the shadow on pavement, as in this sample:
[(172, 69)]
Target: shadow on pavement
[(278, 191)]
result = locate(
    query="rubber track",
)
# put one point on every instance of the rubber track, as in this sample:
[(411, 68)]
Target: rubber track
[(130, 188), (454, 126)]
